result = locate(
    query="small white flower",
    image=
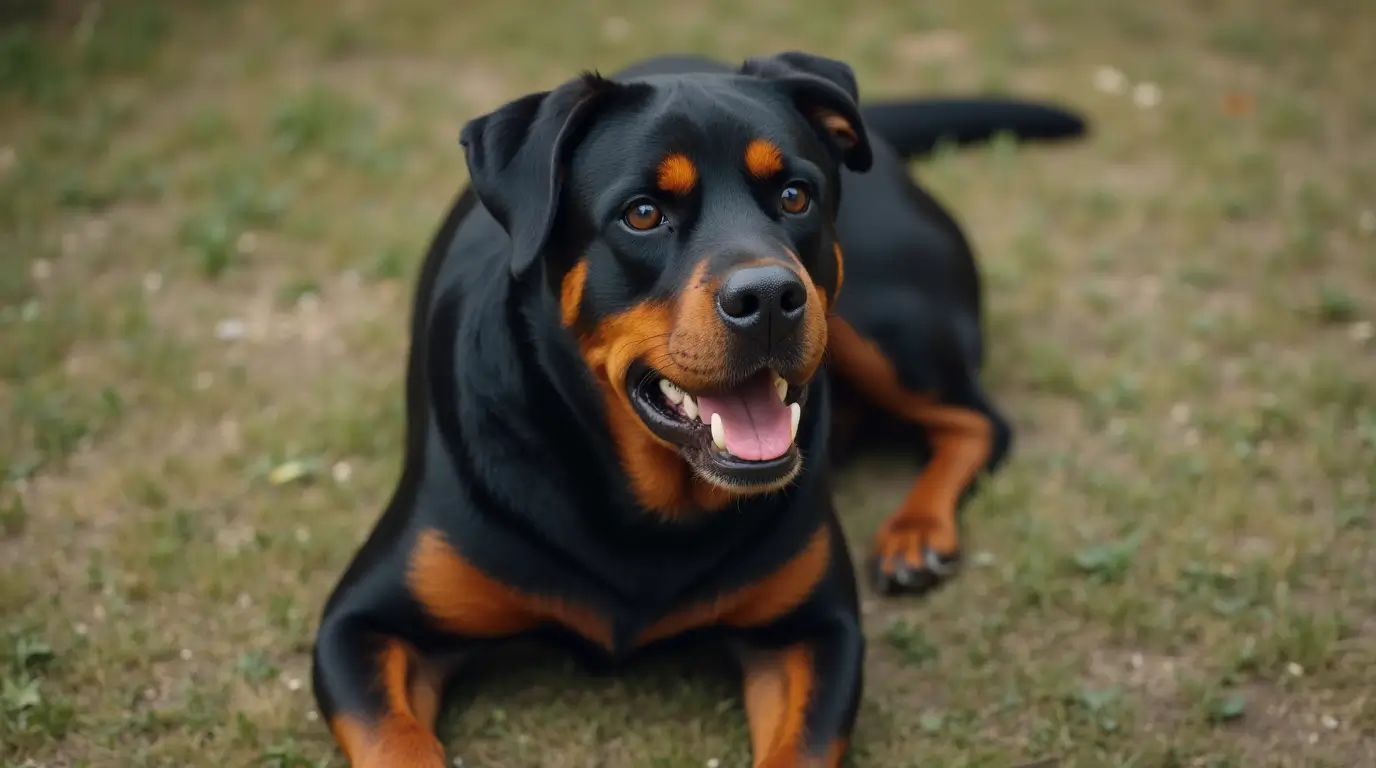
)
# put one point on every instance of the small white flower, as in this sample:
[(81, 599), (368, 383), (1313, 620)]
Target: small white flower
[(230, 329), (341, 472), (1360, 331), (293, 683), (302, 535), (984, 559), (1330, 722), (713, 763), (152, 282), (41, 270), (1110, 80), (80, 628), (312, 716), (186, 654), (1294, 669), (1146, 95)]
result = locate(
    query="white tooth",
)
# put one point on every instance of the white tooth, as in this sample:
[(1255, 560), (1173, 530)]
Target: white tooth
[(671, 391), (690, 406), (718, 432), (781, 387), (796, 411)]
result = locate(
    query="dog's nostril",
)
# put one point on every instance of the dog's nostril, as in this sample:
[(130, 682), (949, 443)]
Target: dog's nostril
[(792, 298), (740, 304)]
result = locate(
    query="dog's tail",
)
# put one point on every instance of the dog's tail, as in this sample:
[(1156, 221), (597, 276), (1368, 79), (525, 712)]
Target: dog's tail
[(915, 127)]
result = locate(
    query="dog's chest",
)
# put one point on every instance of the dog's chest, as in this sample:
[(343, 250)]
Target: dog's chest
[(752, 603), (467, 599)]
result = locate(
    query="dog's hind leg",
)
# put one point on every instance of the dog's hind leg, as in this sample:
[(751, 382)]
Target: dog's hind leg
[(919, 544)]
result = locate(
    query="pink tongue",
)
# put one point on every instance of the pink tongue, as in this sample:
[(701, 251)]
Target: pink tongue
[(758, 426)]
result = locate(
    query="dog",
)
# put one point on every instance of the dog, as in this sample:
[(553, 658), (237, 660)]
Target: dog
[(629, 345)]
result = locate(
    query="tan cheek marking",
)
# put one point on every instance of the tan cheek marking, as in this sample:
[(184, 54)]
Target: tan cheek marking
[(571, 292), (840, 269), (677, 174), (814, 326), (661, 479), (763, 158)]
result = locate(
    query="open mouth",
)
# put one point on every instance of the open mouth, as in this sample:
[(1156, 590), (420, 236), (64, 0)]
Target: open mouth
[(742, 437)]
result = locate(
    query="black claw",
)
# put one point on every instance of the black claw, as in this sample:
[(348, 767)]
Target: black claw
[(942, 566), (936, 569)]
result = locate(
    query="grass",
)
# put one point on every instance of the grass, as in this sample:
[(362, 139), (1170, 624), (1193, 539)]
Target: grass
[(209, 217)]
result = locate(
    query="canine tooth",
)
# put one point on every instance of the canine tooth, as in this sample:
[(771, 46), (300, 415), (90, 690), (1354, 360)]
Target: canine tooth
[(781, 387), (718, 432), (671, 391), (796, 411), (690, 406)]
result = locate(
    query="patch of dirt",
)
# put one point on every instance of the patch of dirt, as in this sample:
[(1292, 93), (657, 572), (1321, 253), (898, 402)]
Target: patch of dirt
[(1151, 681)]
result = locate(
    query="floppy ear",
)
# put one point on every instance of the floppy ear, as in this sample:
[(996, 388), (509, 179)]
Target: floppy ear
[(516, 157), (824, 90)]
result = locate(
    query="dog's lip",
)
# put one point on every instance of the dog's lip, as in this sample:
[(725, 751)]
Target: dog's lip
[(693, 438)]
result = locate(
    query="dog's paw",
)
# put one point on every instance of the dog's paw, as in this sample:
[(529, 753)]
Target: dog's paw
[(911, 556)]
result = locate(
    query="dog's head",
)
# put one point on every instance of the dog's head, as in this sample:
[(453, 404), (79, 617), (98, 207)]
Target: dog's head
[(686, 226)]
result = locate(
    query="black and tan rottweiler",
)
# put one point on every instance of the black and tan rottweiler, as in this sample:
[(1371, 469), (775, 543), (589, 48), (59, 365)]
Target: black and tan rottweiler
[(632, 338)]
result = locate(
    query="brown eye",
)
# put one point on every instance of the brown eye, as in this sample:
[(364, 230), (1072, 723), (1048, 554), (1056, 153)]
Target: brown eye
[(794, 200), (643, 217)]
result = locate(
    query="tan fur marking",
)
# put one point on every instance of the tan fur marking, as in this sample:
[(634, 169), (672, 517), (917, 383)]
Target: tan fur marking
[(571, 293), (466, 601), (677, 174), (763, 158)]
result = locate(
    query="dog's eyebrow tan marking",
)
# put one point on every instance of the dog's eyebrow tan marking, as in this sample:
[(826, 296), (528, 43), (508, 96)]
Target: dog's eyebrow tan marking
[(677, 174), (763, 158)]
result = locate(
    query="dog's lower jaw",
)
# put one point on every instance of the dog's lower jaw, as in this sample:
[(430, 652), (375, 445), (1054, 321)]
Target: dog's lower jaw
[(743, 490)]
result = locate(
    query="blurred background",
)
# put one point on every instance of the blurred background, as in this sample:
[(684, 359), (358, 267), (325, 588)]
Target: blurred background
[(211, 214)]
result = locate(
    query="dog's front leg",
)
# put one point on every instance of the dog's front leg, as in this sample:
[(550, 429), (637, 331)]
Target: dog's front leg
[(380, 696), (801, 696)]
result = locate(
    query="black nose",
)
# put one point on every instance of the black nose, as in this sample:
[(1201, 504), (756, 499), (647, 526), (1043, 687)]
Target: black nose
[(764, 303)]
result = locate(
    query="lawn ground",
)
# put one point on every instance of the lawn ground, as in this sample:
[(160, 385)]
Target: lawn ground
[(210, 215)]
